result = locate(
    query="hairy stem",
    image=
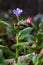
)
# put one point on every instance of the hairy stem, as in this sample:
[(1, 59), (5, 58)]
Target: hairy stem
[(17, 51), (18, 18)]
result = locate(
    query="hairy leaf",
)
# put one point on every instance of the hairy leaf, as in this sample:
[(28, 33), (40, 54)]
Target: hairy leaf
[(23, 33)]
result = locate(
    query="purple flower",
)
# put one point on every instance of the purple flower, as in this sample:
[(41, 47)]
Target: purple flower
[(17, 11)]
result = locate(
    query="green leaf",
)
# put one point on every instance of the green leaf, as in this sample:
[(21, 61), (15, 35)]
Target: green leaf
[(28, 58), (8, 52), (1, 58), (32, 38), (20, 64), (40, 46), (41, 27), (23, 33), (10, 32), (8, 28), (34, 26), (4, 23), (34, 59), (21, 44), (31, 50), (40, 35)]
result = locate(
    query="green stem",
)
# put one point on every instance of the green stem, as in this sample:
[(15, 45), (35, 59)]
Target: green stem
[(16, 55), (18, 18), (24, 50), (17, 51)]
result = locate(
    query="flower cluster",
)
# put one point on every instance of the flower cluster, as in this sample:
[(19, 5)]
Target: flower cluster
[(17, 11)]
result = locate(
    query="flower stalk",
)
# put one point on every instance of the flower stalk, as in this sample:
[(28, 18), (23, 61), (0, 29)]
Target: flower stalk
[(17, 50), (18, 18)]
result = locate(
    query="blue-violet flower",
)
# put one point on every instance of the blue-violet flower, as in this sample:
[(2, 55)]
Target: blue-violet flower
[(17, 11)]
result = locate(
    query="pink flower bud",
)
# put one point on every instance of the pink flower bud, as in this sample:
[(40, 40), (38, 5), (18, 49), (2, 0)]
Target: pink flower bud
[(29, 20), (41, 51)]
